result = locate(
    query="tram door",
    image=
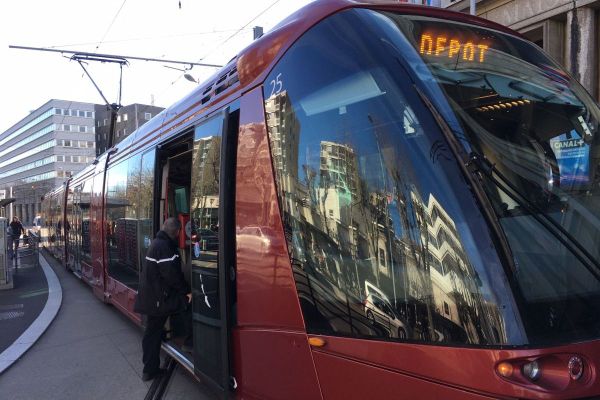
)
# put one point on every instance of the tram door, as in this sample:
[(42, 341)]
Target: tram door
[(210, 247), (74, 227)]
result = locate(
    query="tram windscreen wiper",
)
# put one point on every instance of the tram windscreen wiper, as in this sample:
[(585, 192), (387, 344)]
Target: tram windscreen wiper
[(478, 163)]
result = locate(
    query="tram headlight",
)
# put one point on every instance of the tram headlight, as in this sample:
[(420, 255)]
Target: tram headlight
[(532, 370), (575, 367)]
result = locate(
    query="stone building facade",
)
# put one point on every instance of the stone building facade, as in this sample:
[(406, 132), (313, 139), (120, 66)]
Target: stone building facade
[(566, 29)]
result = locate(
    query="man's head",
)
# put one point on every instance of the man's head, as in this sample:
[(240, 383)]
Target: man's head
[(171, 226), (16, 219)]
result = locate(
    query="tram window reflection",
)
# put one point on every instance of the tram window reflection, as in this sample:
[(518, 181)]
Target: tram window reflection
[(363, 187), (205, 218), (85, 198), (158, 198), (122, 192), (146, 205)]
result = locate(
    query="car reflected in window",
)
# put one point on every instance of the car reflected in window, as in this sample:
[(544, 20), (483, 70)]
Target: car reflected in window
[(380, 313)]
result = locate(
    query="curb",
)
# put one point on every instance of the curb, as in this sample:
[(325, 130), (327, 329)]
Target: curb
[(41, 323)]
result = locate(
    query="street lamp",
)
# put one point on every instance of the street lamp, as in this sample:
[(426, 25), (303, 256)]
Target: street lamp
[(190, 78), (186, 75)]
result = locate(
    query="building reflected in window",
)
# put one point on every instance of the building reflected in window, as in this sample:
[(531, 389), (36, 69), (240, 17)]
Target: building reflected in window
[(373, 255)]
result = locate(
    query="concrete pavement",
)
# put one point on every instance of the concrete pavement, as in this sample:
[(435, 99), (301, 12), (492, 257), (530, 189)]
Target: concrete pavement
[(21, 305)]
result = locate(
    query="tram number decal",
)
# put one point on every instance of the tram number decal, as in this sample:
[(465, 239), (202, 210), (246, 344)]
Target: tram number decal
[(440, 46), (276, 85)]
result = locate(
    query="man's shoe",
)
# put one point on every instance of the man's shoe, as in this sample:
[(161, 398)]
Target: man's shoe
[(187, 348), (147, 376)]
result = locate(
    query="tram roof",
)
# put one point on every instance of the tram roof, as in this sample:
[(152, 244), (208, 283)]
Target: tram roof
[(251, 66)]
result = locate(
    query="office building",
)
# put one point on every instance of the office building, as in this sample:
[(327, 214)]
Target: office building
[(42, 150), (129, 119)]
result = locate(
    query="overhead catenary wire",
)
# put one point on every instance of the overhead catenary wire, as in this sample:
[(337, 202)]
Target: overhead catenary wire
[(237, 32), (241, 29), (113, 56), (110, 25), (140, 39)]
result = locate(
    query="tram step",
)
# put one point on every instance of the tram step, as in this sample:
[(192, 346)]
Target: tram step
[(159, 385)]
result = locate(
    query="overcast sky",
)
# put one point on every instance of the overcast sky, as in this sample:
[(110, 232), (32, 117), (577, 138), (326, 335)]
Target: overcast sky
[(148, 28)]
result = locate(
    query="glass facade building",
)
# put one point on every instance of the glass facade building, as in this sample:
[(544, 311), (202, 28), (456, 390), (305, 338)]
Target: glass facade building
[(42, 150)]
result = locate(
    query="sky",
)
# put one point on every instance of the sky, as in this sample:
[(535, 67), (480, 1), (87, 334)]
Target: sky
[(187, 30)]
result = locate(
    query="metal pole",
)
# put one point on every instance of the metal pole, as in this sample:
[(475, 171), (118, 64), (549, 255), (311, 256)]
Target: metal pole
[(84, 53), (94, 83), (472, 7), (12, 205)]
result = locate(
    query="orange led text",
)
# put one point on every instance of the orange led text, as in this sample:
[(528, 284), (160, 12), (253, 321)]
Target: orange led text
[(442, 46)]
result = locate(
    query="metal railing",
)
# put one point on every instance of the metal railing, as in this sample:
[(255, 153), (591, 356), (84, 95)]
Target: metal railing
[(5, 273), (29, 246)]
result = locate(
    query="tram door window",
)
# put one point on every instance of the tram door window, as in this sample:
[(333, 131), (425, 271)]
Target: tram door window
[(146, 204), (178, 198), (208, 354), (48, 231), (175, 162), (85, 198), (122, 192), (59, 249), (72, 223), (45, 214)]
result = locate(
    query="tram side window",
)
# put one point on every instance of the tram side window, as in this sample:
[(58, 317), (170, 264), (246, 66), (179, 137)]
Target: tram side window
[(146, 204), (70, 226), (44, 229), (121, 221), (59, 228), (361, 194), (85, 198)]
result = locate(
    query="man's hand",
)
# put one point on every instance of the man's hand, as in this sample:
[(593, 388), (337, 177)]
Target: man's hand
[(189, 297)]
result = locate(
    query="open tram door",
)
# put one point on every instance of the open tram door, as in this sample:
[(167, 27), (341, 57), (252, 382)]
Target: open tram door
[(193, 190), (212, 246)]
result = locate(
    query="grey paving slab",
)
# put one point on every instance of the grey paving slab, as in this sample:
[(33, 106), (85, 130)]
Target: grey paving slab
[(82, 315), (183, 386), (126, 340), (88, 369), (90, 351), (22, 304), (47, 279)]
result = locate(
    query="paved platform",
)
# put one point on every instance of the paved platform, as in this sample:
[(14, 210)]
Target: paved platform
[(21, 305), (90, 351)]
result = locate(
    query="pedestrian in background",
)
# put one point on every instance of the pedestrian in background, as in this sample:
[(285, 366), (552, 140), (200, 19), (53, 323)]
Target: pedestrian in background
[(16, 229), (163, 292)]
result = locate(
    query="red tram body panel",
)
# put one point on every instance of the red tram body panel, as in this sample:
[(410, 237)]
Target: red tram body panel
[(359, 215)]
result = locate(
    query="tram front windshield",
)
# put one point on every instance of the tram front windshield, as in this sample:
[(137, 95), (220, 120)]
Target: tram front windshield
[(535, 131), (386, 237)]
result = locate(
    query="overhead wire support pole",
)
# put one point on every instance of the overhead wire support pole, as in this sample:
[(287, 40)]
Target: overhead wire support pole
[(114, 108), (120, 83), (114, 56), (80, 56), (91, 79)]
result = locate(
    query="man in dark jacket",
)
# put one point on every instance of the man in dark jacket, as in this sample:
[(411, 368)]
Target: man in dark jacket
[(16, 228), (163, 291)]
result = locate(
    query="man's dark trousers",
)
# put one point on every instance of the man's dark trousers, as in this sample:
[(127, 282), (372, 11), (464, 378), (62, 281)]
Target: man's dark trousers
[(151, 341)]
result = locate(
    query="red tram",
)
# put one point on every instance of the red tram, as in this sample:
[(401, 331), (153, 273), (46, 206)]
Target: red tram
[(380, 201)]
